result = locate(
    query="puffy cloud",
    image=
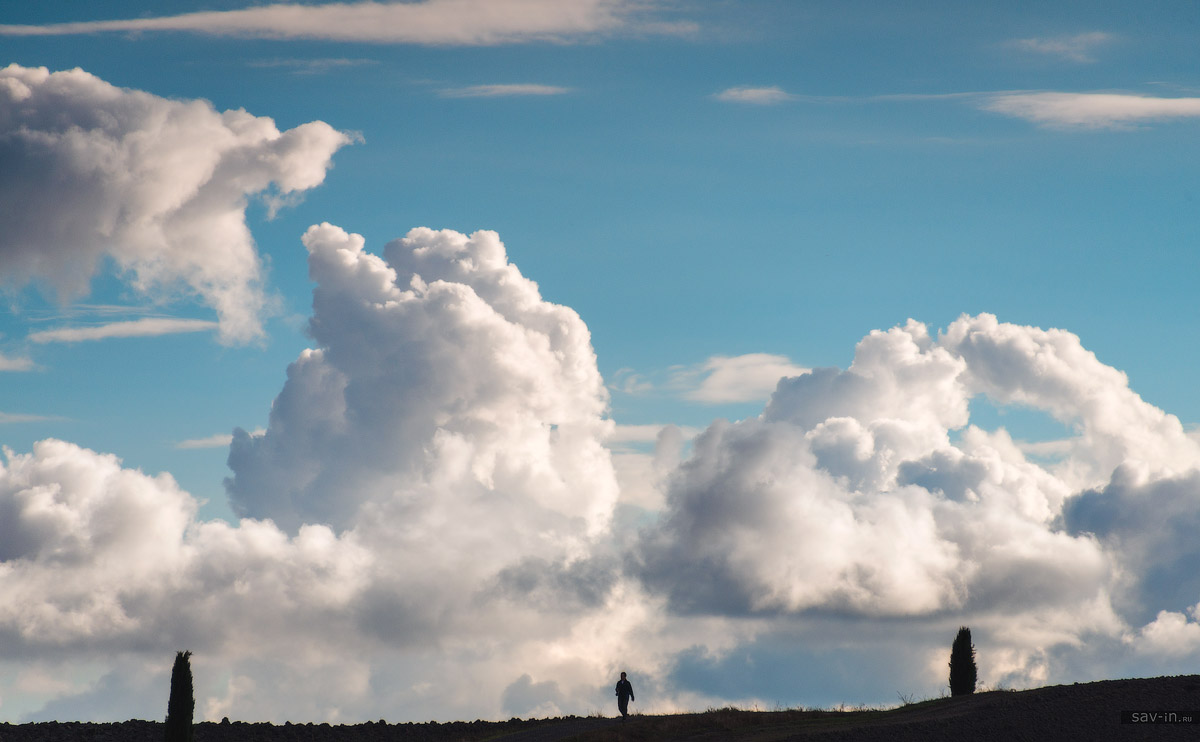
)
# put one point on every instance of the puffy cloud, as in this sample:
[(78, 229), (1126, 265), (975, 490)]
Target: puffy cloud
[(442, 22), (1091, 110), (451, 422), (449, 428), (899, 375), (757, 96), (1149, 520), (54, 495), (160, 186), (433, 528), (1171, 633), (103, 556), (1050, 370), (437, 366), (866, 493)]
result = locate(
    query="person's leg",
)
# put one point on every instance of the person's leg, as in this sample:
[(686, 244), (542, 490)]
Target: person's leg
[(623, 706)]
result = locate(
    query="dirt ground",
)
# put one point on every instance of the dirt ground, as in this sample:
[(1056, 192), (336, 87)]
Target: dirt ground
[(1085, 711)]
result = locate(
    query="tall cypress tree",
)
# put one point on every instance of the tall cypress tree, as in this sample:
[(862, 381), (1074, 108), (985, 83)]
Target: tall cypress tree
[(181, 704), (962, 664)]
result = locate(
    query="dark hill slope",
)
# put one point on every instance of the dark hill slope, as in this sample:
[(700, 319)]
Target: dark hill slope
[(1085, 711)]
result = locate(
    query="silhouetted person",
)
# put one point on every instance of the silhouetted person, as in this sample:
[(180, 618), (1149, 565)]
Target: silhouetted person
[(624, 695)]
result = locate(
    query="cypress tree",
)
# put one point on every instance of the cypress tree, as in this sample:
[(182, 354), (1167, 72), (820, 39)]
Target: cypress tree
[(962, 664), (181, 704)]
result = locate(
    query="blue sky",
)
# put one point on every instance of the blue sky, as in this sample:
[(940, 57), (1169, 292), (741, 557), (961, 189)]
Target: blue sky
[(725, 193)]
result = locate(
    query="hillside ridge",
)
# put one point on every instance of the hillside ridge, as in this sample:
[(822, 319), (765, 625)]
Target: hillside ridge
[(1079, 711)]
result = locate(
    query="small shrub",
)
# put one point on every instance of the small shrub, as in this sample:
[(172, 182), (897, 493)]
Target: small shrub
[(962, 664)]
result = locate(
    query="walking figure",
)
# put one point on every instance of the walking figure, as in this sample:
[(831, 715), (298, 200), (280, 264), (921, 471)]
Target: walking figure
[(624, 695)]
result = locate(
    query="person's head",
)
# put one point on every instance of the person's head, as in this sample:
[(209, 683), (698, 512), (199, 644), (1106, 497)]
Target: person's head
[(622, 676)]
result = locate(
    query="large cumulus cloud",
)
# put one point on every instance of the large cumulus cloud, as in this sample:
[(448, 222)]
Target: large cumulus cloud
[(99, 556), (94, 172), (867, 493), (452, 420), (429, 523), (426, 515), (439, 373)]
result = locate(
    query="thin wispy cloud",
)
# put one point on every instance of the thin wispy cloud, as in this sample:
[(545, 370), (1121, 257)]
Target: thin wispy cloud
[(755, 96), (717, 380), (16, 363), (1091, 110), (219, 440), (1071, 47), (17, 417), (311, 66), (1050, 109), (1047, 449), (84, 309), (646, 433), (725, 379), (148, 327), (432, 22), (503, 91), (628, 381)]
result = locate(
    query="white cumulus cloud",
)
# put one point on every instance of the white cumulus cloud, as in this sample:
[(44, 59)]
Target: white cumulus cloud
[(867, 492), (433, 529), (431, 501), (438, 365), (160, 186)]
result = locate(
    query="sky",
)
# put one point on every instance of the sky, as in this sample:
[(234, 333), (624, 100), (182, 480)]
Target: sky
[(443, 359)]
